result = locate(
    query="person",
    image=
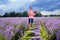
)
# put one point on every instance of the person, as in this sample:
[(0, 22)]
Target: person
[(31, 15)]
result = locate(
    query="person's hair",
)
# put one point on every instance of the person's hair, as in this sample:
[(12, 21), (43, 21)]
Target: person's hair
[(30, 7)]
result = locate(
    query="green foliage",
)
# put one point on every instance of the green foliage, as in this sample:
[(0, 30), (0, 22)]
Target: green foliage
[(20, 14), (20, 31), (38, 15), (52, 36), (17, 35), (2, 37), (0, 15), (22, 27), (28, 34), (43, 32), (12, 14), (25, 14), (6, 15)]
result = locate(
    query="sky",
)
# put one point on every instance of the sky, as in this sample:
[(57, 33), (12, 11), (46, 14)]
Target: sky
[(46, 7)]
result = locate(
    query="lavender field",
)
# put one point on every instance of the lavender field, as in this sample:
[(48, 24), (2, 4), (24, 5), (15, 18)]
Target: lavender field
[(46, 25)]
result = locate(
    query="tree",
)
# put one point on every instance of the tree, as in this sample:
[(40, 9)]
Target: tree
[(6, 15), (38, 14), (12, 14), (0, 15), (25, 14), (19, 14)]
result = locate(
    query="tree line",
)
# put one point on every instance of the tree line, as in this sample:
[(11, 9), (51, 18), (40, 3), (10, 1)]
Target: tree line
[(19, 14), (25, 14)]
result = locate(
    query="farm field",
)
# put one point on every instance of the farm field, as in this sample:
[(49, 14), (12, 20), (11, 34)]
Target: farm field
[(44, 28)]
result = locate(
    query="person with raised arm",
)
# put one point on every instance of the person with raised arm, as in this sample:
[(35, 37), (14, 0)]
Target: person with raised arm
[(31, 15)]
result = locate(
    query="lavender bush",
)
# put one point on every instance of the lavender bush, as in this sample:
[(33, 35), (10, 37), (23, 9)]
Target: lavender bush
[(10, 26)]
